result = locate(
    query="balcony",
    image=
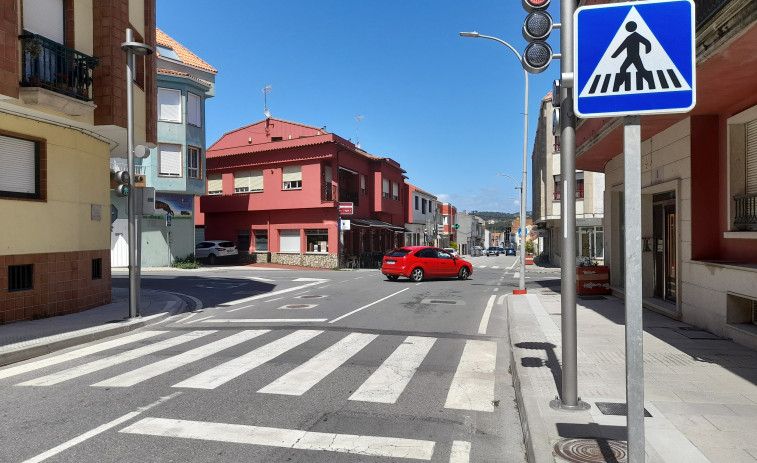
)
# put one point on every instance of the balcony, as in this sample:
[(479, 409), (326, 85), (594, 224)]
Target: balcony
[(328, 193), (49, 69), (746, 212)]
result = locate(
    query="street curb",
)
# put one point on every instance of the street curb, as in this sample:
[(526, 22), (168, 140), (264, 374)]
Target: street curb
[(533, 429), (43, 346)]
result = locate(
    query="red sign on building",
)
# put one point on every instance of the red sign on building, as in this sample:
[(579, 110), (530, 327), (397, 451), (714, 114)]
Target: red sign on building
[(345, 208)]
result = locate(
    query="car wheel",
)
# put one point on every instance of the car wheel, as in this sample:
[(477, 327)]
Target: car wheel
[(463, 273), (417, 274), (212, 259), (392, 277)]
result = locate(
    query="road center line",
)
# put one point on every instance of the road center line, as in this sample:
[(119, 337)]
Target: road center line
[(366, 306), (482, 327)]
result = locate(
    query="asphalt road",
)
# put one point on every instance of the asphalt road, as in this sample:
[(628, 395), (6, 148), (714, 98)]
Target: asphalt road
[(280, 365)]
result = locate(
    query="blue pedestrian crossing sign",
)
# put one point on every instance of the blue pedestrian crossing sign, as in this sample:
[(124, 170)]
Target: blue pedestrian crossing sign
[(634, 58)]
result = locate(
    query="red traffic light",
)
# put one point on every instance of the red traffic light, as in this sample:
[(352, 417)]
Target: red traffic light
[(531, 5)]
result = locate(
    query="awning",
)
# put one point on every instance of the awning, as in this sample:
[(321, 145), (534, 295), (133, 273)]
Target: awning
[(372, 223)]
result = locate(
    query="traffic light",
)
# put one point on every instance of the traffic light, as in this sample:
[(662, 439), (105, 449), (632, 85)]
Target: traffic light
[(536, 28), (121, 179), (457, 226)]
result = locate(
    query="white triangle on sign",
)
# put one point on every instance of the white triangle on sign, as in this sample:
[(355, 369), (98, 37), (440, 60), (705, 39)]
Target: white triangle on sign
[(656, 60)]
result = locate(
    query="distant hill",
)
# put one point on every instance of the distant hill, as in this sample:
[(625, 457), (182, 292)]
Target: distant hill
[(502, 220)]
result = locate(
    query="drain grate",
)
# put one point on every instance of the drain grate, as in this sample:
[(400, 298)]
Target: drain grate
[(442, 302), (592, 450), (617, 409), (311, 296)]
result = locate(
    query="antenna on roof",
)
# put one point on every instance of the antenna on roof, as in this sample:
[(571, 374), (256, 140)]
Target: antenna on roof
[(357, 130), (266, 90)]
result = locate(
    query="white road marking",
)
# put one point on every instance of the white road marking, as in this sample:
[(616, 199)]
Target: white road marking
[(199, 319), (78, 353), (366, 306), (307, 375), (261, 279), (106, 362), (188, 317), (378, 446), (98, 430), (516, 275), (472, 387), (312, 282), (460, 452), (482, 327), (240, 308), (265, 320), (387, 383), (158, 368), (211, 379), (274, 299), (495, 266), (501, 299)]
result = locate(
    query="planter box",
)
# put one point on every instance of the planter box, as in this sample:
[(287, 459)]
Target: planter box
[(593, 280)]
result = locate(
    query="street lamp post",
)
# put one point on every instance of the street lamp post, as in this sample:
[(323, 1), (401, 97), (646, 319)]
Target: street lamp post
[(522, 289), (132, 49)]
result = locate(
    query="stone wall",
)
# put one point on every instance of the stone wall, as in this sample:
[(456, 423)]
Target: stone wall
[(315, 260)]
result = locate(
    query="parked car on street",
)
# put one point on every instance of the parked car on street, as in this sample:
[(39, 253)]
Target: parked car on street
[(476, 251), (215, 250), (509, 251), (492, 251), (419, 262)]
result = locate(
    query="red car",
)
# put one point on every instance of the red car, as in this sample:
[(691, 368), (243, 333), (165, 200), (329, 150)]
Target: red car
[(418, 262)]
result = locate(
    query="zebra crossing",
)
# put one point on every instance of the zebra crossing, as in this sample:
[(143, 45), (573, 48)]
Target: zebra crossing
[(622, 82), (471, 387)]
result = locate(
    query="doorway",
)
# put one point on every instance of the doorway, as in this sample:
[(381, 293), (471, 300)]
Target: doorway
[(664, 242)]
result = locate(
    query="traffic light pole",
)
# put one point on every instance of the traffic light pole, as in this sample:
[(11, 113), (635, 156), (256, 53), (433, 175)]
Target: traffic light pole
[(568, 400)]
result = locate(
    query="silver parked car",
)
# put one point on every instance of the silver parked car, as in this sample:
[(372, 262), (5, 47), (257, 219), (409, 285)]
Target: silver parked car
[(214, 250)]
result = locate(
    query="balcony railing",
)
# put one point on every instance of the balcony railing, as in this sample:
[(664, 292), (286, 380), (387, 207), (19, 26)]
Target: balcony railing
[(349, 197), (746, 212), (50, 65), (328, 193)]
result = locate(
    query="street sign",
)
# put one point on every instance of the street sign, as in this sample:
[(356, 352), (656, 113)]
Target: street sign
[(634, 58), (345, 208), (344, 224)]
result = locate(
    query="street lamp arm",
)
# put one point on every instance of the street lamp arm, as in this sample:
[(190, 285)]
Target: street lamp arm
[(517, 185)]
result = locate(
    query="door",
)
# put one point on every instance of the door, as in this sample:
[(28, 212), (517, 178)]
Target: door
[(119, 245), (665, 254), (445, 264)]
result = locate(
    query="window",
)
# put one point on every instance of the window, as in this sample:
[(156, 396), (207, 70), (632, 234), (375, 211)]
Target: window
[(169, 160), (20, 172), (194, 110), (395, 191), (20, 277), (215, 184), (292, 178), (97, 268), (557, 189), (317, 240), (579, 188), (385, 188), (169, 105), (261, 240), (423, 203), (289, 240), (416, 203), (194, 164), (248, 181), (45, 17), (362, 185), (167, 52), (590, 242)]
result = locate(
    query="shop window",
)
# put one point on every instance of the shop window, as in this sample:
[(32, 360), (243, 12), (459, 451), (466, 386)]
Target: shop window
[(317, 240), (261, 240), (243, 240)]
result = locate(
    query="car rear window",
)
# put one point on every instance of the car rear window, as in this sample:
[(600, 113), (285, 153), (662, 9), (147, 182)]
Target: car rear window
[(226, 244), (399, 253)]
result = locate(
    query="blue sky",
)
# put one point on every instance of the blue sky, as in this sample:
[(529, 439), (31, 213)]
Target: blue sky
[(449, 109)]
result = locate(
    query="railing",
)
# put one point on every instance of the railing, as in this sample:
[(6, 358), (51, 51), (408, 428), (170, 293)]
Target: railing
[(328, 192), (349, 197), (746, 212), (50, 65), (706, 9)]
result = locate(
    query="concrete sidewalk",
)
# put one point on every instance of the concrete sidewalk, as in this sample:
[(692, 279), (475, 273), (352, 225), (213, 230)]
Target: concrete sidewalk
[(700, 390), (23, 340)]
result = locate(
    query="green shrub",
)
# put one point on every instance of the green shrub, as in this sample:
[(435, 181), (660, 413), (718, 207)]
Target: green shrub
[(188, 262)]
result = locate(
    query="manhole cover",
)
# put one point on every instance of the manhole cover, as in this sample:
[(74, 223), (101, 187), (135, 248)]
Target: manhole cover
[(442, 301), (310, 296), (297, 306), (592, 450), (617, 409)]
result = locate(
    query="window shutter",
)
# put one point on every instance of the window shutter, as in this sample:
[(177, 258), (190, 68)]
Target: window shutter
[(292, 173), (169, 105), (17, 158), (385, 186), (256, 180), (289, 240), (215, 183), (194, 115), (45, 17), (751, 157), (170, 160)]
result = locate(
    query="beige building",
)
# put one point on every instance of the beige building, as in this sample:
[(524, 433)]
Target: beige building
[(547, 190), (63, 116)]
